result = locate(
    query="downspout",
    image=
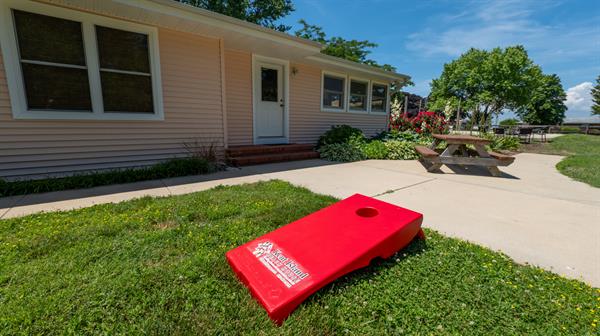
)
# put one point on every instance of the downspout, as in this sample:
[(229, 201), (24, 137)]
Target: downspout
[(223, 93)]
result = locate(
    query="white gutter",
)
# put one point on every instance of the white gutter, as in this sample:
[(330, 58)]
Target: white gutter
[(340, 62)]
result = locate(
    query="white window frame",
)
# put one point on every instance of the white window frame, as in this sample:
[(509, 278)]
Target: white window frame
[(8, 42), (338, 75), (367, 98), (386, 108)]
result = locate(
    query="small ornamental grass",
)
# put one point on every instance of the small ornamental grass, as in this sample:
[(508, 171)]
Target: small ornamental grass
[(157, 266)]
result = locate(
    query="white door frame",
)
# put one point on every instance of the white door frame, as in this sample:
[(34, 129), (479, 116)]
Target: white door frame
[(257, 59)]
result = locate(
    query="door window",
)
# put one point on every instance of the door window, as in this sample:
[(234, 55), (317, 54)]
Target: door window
[(268, 84)]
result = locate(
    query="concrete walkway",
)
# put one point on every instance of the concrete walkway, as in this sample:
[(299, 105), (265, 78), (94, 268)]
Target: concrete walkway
[(532, 213)]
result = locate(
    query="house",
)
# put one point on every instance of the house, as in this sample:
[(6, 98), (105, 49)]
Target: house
[(90, 85)]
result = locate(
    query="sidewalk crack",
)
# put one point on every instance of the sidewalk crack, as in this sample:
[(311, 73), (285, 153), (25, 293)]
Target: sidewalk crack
[(391, 191), (12, 205)]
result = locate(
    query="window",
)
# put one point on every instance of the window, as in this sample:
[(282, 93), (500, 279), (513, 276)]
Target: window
[(72, 65), (358, 95), (52, 60), (333, 92), (124, 71), (379, 98)]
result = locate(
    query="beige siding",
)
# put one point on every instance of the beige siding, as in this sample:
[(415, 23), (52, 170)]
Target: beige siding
[(238, 84), (308, 122), (192, 106)]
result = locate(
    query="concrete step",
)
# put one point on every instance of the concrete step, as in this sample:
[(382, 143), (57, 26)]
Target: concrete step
[(239, 151), (247, 160)]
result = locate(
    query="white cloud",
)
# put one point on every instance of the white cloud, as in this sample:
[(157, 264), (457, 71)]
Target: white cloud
[(489, 24), (579, 99)]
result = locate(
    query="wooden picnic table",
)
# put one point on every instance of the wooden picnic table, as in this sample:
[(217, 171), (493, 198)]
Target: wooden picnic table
[(458, 144)]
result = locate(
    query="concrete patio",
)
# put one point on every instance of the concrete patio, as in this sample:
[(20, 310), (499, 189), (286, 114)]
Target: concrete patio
[(532, 213)]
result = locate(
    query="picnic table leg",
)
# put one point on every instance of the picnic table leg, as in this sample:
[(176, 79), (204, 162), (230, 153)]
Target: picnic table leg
[(433, 166), (450, 150), (483, 153), (494, 171), (434, 143)]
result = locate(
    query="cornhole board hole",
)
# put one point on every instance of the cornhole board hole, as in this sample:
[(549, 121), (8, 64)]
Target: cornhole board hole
[(284, 267)]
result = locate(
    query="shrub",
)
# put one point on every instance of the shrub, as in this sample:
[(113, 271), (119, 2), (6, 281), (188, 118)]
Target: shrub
[(401, 150), (339, 134), (341, 152), (593, 131), (429, 123), (425, 122), (409, 136), (375, 149), (171, 168), (501, 142), (569, 129), (505, 143), (509, 122)]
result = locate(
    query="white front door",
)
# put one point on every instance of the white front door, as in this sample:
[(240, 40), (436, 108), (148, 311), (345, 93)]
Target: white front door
[(269, 113)]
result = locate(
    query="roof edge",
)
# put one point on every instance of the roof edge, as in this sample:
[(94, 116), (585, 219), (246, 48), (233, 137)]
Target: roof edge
[(233, 21), (328, 59)]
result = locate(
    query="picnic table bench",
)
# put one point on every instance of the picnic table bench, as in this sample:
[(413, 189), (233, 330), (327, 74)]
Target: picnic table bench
[(458, 143)]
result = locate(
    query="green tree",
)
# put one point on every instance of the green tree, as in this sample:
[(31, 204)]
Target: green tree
[(261, 12), (596, 97), (352, 50), (546, 103), (486, 82)]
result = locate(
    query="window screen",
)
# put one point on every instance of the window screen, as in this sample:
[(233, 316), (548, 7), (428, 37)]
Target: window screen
[(53, 63), (333, 92), (358, 96), (379, 98), (124, 71)]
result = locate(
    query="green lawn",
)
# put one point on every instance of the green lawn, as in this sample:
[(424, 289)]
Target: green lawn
[(583, 162), (157, 266)]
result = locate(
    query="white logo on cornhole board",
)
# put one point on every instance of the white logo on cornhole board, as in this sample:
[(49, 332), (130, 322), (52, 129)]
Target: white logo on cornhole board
[(286, 269)]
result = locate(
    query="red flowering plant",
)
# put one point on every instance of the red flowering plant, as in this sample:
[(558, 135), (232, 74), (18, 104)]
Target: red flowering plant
[(400, 123), (424, 123), (427, 122)]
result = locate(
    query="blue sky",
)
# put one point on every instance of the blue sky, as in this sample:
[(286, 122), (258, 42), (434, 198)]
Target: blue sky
[(418, 37)]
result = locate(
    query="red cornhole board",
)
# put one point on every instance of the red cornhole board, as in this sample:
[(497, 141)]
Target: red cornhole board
[(284, 267)]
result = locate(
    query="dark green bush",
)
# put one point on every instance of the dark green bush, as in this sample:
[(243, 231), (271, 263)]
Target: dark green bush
[(339, 134), (171, 168)]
